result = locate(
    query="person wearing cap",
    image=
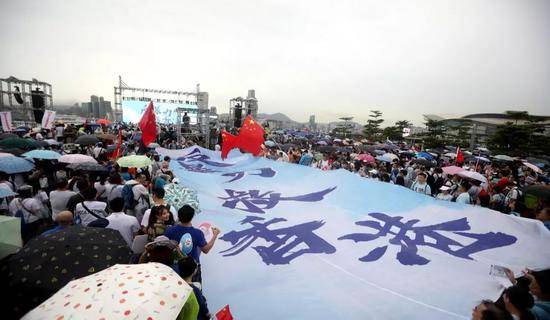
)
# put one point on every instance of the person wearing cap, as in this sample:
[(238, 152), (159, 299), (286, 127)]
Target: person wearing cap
[(64, 219)]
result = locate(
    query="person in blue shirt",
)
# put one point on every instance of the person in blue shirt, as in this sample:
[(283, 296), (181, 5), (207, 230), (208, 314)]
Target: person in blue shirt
[(64, 220), (187, 269), (191, 240), (544, 215)]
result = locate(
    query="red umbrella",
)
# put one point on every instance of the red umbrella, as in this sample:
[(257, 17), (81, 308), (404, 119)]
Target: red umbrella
[(103, 121)]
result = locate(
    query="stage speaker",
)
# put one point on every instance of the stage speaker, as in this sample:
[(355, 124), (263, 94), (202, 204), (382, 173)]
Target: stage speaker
[(238, 115), (38, 104)]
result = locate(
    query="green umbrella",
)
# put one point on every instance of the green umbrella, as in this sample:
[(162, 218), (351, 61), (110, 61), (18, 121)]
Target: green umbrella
[(177, 195), (134, 161), (10, 235), (319, 156), (18, 143)]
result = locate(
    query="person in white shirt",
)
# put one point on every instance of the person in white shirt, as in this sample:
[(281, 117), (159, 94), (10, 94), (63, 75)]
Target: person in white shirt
[(101, 188), (420, 185), (90, 210), (60, 198), (7, 185), (444, 194), (98, 150), (141, 196), (113, 187), (463, 195), (127, 225), (29, 210), (158, 200)]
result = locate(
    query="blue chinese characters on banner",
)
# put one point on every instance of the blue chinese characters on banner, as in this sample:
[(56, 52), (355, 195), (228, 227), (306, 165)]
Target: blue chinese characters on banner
[(408, 253), (282, 241)]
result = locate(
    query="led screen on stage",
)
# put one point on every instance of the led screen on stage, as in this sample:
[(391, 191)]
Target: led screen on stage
[(132, 110)]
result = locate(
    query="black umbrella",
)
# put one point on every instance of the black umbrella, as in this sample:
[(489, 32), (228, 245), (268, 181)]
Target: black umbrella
[(47, 263), (539, 191), (326, 149), (41, 144), (87, 166), (87, 140), (287, 146), (424, 162), (7, 135), (14, 151)]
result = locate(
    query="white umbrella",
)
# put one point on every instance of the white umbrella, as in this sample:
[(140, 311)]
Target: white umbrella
[(480, 158), (123, 291), (532, 167), (450, 155), (473, 175), (76, 158), (503, 157)]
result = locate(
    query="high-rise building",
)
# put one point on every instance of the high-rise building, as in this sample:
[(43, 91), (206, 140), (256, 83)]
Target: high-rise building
[(97, 108), (312, 124), (202, 101)]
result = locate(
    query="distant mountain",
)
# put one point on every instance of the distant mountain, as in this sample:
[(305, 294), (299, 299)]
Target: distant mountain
[(276, 117)]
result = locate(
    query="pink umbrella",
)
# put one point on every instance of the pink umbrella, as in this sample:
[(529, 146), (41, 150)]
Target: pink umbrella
[(473, 175), (365, 157), (452, 170), (76, 158)]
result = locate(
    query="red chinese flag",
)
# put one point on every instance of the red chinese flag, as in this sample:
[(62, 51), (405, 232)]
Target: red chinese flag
[(148, 125), (116, 153), (249, 139), (224, 314), (459, 156)]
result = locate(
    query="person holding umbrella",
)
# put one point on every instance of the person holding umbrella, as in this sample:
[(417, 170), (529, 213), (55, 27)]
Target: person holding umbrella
[(29, 210)]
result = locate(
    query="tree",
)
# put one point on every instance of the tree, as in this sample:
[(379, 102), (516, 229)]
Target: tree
[(392, 133), (460, 134), (517, 115), (403, 124), (434, 136), (372, 128)]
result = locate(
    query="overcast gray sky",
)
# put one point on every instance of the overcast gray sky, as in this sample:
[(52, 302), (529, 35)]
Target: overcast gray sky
[(328, 58)]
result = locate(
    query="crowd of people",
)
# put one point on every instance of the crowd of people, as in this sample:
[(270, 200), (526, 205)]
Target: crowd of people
[(53, 197)]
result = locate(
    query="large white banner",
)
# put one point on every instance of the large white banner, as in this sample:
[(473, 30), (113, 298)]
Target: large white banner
[(5, 117), (300, 243), (48, 119)]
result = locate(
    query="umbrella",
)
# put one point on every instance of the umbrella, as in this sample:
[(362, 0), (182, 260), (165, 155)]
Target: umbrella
[(134, 161), (473, 175), (287, 146), (10, 234), (47, 263), (52, 142), (452, 170), (136, 291), (384, 158), (153, 145), (425, 155), (177, 195), (365, 157), (503, 157), (5, 154), (424, 162), (18, 143), (337, 140), (76, 158), (11, 165), (450, 155), (7, 135), (42, 154), (41, 143), (532, 167), (13, 151), (539, 191), (103, 121), (106, 136), (321, 143), (87, 166), (326, 149), (87, 140), (270, 144), (380, 152), (390, 155), (483, 159)]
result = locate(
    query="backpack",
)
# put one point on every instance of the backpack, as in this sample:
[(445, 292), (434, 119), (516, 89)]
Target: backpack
[(128, 196)]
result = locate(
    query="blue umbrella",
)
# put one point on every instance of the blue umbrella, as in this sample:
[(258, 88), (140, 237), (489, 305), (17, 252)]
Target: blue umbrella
[(6, 193), (11, 165), (42, 154), (270, 144), (425, 155), (322, 143), (384, 159)]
